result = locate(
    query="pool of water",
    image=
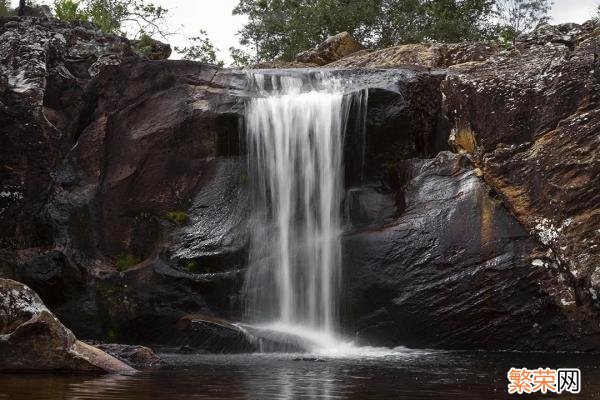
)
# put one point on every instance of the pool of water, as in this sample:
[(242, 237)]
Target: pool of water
[(372, 374)]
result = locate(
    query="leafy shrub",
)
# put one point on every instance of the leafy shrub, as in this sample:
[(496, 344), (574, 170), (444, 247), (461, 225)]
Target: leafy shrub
[(68, 10), (144, 45)]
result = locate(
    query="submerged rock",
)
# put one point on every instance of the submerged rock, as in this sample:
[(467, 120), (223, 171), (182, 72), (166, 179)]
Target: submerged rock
[(32, 339), (134, 355)]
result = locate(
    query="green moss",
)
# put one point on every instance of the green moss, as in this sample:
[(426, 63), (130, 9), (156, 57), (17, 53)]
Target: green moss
[(178, 217), (190, 265), (112, 336), (243, 178), (125, 261)]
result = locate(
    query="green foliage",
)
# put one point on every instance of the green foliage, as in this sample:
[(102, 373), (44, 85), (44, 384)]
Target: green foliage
[(239, 57), (5, 8), (107, 14), (458, 21), (280, 29), (144, 45), (200, 49), (178, 217), (68, 10), (113, 16), (125, 261), (518, 16)]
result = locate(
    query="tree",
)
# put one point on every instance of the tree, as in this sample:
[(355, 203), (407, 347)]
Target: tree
[(458, 20), (200, 49), (280, 29), (239, 57), (69, 10), (21, 8), (519, 16), (115, 16)]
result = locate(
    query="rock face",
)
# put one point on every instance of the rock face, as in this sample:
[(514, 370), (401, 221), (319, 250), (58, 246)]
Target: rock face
[(454, 269), (124, 197), (422, 54), (32, 339), (530, 119), (334, 48), (44, 66)]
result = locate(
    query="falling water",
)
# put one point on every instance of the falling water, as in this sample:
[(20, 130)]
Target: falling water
[(295, 126)]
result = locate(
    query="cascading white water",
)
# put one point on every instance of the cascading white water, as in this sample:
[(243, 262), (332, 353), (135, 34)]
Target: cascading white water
[(295, 127)]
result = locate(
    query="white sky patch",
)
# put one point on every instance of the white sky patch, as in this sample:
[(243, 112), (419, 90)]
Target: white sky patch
[(187, 17)]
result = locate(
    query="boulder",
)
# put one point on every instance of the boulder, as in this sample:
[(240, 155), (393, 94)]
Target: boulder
[(151, 48), (134, 355), (32, 339), (203, 333), (430, 55), (332, 49)]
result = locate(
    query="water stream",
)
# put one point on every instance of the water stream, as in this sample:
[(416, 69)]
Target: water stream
[(295, 126)]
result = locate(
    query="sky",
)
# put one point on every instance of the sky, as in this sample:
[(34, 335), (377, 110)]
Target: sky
[(187, 17)]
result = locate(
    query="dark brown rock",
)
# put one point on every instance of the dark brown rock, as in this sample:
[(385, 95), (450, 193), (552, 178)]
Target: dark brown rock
[(451, 268), (134, 355), (529, 118), (44, 66), (32, 339), (148, 142)]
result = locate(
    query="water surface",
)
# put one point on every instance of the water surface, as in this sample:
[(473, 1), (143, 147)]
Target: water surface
[(414, 375)]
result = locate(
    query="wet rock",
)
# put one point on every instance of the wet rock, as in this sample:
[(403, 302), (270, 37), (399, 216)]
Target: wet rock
[(32, 339), (454, 270), (141, 154), (334, 48), (43, 71), (528, 118), (214, 335), (431, 55), (136, 356)]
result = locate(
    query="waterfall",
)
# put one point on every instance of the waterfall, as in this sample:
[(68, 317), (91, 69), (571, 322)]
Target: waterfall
[(295, 126)]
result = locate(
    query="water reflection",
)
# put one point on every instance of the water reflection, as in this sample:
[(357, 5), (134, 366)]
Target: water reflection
[(406, 375)]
